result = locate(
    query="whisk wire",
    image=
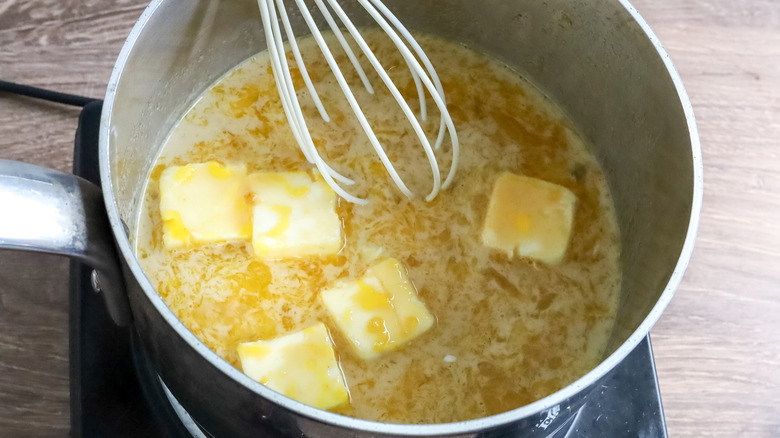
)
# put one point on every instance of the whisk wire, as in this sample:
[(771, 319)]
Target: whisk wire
[(426, 62), (425, 79), (393, 91), (345, 46), (295, 113), (299, 61), (292, 106), (352, 101), (436, 91)]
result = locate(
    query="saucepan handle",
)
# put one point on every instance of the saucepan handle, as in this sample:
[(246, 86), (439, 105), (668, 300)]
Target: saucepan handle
[(44, 210)]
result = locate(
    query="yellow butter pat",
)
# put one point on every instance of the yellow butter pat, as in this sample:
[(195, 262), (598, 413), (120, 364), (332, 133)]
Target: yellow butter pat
[(301, 365), (294, 215), (204, 203), (530, 217), (380, 312)]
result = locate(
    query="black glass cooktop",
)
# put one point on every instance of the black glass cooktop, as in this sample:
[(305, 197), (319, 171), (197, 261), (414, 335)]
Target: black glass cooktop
[(115, 392)]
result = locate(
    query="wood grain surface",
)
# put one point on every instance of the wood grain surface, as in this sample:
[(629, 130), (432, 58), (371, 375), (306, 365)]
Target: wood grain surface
[(717, 345)]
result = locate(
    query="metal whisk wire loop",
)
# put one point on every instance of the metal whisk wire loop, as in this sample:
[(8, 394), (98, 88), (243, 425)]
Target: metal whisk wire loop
[(423, 74)]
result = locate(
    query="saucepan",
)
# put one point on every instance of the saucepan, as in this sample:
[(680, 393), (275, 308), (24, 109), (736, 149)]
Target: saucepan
[(598, 60)]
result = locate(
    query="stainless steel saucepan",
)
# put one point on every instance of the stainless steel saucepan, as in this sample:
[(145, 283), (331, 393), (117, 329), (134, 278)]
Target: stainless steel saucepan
[(597, 59)]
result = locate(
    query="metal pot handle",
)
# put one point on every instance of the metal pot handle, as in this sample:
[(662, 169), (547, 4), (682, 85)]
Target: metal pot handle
[(44, 210)]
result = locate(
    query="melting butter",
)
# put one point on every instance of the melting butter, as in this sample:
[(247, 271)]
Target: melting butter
[(519, 330)]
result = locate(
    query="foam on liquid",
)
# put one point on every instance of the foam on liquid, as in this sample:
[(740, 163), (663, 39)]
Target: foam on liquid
[(508, 331)]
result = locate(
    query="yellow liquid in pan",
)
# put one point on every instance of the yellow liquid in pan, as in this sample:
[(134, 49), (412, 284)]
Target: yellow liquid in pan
[(518, 329)]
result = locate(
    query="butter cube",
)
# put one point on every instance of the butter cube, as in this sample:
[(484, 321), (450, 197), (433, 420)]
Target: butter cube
[(204, 203), (301, 365), (379, 312), (529, 216), (294, 215)]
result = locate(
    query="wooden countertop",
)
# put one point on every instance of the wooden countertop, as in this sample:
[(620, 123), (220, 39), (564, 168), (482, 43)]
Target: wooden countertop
[(717, 346)]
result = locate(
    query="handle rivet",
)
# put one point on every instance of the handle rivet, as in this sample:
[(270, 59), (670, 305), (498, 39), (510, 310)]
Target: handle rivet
[(95, 280)]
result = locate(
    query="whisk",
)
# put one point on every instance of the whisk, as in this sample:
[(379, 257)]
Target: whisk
[(423, 74)]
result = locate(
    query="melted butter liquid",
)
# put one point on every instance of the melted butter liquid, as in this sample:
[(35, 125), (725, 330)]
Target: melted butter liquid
[(518, 329)]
